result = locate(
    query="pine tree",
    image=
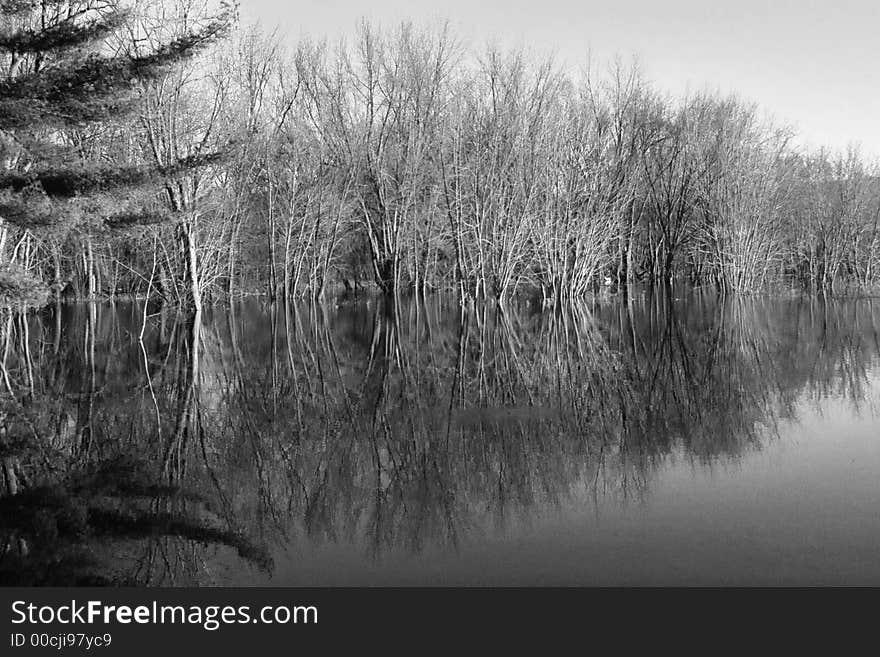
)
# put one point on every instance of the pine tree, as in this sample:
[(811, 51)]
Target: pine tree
[(63, 70)]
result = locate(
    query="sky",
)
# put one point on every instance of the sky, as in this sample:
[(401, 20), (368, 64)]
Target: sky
[(813, 65)]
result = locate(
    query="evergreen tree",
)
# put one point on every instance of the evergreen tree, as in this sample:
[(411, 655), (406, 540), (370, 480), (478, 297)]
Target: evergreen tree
[(66, 68)]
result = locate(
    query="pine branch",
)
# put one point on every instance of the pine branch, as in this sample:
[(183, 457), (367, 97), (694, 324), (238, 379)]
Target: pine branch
[(62, 36), (83, 180), (83, 91)]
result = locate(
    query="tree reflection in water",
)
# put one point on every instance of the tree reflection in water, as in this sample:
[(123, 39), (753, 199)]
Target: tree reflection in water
[(222, 438)]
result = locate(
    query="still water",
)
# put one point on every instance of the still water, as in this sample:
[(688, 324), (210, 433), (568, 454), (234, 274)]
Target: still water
[(685, 440)]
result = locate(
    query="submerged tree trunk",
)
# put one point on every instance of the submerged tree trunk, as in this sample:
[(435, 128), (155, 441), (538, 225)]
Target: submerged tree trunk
[(91, 287), (10, 478), (191, 265)]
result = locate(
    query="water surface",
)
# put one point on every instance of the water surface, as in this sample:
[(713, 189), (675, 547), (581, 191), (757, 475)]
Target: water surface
[(684, 440)]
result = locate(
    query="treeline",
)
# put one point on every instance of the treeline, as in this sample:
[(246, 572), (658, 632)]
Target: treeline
[(404, 161)]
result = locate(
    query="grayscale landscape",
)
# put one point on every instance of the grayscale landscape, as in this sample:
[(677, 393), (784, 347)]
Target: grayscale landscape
[(402, 305)]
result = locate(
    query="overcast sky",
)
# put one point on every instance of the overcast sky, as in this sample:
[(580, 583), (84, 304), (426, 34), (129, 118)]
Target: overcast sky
[(813, 64)]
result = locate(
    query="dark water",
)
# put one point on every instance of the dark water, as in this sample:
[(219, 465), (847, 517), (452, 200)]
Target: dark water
[(671, 441)]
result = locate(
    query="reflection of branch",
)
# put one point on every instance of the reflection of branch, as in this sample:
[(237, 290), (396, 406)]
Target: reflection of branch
[(136, 525), (144, 349)]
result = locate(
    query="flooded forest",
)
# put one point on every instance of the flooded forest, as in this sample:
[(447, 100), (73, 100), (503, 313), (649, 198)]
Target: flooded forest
[(406, 309), (157, 151)]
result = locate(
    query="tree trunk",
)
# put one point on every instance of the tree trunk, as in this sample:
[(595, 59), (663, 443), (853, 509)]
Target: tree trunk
[(192, 268), (90, 267)]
